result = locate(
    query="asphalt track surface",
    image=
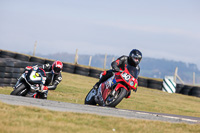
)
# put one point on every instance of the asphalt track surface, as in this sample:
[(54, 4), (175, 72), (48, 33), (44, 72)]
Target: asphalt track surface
[(104, 111)]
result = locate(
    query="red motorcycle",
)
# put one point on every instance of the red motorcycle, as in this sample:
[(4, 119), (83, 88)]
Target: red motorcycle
[(115, 88)]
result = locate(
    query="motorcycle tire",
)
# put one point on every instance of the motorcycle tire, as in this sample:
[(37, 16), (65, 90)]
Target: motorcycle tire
[(116, 99), (21, 90), (89, 99)]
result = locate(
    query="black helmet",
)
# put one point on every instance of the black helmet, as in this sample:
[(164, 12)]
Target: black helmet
[(135, 57)]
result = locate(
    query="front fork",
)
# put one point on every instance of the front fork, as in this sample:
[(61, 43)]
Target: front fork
[(119, 86), (18, 82)]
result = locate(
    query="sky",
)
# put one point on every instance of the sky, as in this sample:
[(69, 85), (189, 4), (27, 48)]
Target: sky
[(167, 29)]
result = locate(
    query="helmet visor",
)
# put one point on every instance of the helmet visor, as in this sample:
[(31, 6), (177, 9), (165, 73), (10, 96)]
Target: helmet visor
[(137, 57), (57, 70)]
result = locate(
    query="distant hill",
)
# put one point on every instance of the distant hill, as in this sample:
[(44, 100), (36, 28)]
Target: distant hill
[(150, 67)]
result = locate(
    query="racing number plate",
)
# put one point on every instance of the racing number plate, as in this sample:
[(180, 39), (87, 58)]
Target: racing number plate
[(126, 76)]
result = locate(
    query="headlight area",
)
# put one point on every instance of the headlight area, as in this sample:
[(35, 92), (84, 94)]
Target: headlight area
[(131, 83)]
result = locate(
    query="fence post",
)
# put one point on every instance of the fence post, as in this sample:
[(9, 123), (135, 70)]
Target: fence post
[(193, 78), (105, 61), (175, 74), (90, 61), (35, 45), (112, 61), (76, 57)]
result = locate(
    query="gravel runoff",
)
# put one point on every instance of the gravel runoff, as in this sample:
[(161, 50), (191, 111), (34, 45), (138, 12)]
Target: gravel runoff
[(105, 111)]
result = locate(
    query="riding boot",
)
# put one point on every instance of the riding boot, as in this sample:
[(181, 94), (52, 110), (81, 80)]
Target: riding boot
[(99, 99), (101, 80)]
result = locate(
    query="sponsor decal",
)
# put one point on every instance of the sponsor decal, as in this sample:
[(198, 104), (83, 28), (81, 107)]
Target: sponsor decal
[(37, 74), (135, 85), (107, 84), (113, 82), (47, 65)]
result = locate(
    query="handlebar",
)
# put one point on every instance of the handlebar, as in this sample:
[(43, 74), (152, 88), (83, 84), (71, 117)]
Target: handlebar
[(114, 71), (117, 71)]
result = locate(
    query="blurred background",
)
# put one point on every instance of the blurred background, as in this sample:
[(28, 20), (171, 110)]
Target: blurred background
[(166, 32)]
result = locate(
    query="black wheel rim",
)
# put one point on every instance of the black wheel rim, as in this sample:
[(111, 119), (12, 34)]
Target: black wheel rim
[(90, 95), (111, 98)]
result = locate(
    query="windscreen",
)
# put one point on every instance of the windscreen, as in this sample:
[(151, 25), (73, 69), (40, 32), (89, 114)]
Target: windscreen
[(133, 71)]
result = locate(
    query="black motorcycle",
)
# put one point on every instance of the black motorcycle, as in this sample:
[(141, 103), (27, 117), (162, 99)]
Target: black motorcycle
[(30, 83)]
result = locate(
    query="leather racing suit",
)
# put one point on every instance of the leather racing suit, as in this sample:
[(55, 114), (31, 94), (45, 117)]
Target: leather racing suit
[(52, 79), (118, 65)]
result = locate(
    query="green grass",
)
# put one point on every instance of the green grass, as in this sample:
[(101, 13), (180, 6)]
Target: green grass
[(74, 88), (20, 119)]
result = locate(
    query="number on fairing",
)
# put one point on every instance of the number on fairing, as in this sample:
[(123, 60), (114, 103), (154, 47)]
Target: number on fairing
[(126, 76)]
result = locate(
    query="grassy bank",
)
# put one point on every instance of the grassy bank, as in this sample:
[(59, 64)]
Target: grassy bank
[(19, 119), (74, 88)]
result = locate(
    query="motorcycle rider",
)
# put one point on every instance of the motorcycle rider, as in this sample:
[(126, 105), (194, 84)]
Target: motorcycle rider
[(53, 73), (133, 60), (53, 76)]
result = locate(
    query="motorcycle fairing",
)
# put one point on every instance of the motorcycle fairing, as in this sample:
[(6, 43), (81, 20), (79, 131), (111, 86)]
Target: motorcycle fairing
[(131, 81)]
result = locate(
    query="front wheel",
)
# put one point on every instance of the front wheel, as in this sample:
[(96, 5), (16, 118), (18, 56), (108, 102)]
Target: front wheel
[(21, 90), (114, 100), (89, 99)]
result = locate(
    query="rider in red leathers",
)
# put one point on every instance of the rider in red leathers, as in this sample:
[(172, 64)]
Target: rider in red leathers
[(133, 60)]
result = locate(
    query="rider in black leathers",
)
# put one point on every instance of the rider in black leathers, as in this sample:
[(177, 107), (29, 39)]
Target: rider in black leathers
[(53, 74), (133, 60)]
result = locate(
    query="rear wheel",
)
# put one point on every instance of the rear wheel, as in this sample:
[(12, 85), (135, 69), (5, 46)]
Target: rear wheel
[(21, 90), (114, 99), (89, 99)]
